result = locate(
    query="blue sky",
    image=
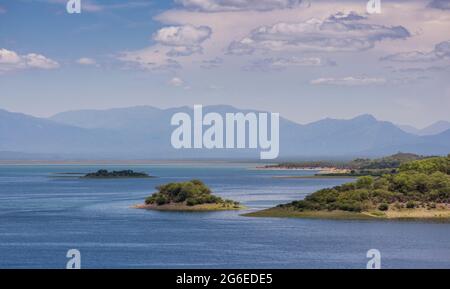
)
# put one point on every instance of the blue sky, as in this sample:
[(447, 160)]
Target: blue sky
[(305, 59)]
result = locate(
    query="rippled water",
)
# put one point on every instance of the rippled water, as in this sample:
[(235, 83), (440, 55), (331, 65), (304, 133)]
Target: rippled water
[(42, 215)]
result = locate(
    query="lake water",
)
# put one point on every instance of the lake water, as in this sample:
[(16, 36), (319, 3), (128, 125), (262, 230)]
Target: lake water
[(42, 215)]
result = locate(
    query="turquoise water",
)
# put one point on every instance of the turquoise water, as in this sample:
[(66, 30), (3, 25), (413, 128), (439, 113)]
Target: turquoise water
[(42, 215)]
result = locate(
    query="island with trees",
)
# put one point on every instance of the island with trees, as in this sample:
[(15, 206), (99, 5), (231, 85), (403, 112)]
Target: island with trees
[(418, 189), (105, 174), (192, 195)]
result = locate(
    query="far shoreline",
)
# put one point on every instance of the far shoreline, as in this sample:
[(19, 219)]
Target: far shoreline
[(251, 163), (317, 176)]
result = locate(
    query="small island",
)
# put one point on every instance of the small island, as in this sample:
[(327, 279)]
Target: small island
[(192, 195), (416, 190), (104, 174)]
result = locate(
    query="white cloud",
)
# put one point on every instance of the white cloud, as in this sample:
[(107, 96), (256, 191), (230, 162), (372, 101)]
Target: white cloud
[(211, 63), (34, 60), (351, 16), (237, 5), (232, 26), (413, 56), (281, 63), (408, 79), (184, 40), (151, 58), (2, 10), (428, 26), (425, 69), (339, 32), (348, 81), (171, 42), (10, 61), (184, 50), (440, 4), (9, 57), (86, 61), (186, 35), (176, 81), (440, 51)]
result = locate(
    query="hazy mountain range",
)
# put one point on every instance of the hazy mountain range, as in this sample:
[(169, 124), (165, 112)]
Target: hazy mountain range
[(435, 128), (143, 132)]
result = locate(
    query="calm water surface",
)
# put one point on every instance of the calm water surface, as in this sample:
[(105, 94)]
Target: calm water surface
[(42, 215)]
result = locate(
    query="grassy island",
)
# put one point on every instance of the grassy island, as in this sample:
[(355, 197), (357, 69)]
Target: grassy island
[(416, 190), (193, 195), (104, 174)]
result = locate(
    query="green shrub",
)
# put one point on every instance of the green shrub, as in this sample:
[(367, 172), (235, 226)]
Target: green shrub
[(428, 166), (383, 207), (191, 202), (410, 205), (197, 182), (161, 200), (365, 182), (350, 206), (432, 206), (381, 184), (149, 200), (398, 206)]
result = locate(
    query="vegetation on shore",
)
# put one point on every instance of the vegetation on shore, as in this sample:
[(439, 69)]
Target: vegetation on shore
[(355, 168), (187, 196), (104, 174), (288, 212), (418, 188)]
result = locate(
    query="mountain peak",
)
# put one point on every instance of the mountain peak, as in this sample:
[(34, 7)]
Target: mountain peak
[(365, 117), (436, 128), (433, 129), (442, 122)]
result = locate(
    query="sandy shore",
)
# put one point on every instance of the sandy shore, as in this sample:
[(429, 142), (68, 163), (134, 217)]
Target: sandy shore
[(419, 213), (321, 170), (402, 214), (181, 207)]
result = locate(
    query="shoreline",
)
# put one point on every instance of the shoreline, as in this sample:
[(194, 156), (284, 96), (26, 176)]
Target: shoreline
[(419, 214), (181, 207), (294, 169), (320, 170), (318, 176), (126, 162), (111, 178)]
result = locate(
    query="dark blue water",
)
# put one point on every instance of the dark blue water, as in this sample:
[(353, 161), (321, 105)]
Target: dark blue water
[(42, 215)]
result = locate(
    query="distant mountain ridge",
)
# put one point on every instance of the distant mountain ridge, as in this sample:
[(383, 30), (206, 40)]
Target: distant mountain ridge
[(143, 132), (433, 129)]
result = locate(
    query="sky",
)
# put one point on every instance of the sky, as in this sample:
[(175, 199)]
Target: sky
[(307, 60)]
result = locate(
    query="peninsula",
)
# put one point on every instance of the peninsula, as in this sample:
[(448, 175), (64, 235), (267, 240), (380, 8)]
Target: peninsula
[(355, 168), (416, 190), (192, 195)]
